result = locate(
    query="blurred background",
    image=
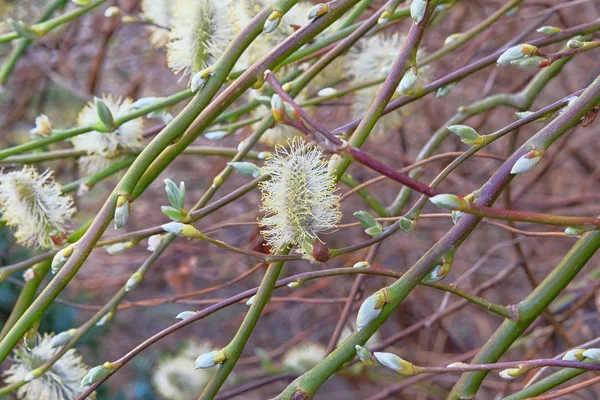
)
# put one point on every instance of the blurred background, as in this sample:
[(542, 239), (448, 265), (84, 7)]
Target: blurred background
[(95, 55)]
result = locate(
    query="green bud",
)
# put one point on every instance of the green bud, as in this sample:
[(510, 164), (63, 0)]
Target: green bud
[(408, 81), (451, 39), (468, 135), (97, 373), (175, 194), (369, 223), (573, 232), (515, 53), (549, 30), (530, 62), (104, 114), (173, 213), (444, 90), (364, 356), (246, 168), (407, 224), (450, 202), (62, 338), (575, 44)]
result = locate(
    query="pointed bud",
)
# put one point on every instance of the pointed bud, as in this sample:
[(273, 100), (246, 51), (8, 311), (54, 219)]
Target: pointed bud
[(43, 126), (407, 224), (29, 274), (250, 301), (328, 91), (457, 364), (116, 248), (364, 356), (417, 10), (112, 12), (523, 114), (272, 21), (362, 264), (97, 373), (291, 112), (574, 355), (185, 315), (444, 91), (215, 135), (144, 102), (530, 62), (384, 17), (31, 338), (468, 135), (527, 161), (60, 258), (510, 373), (571, 231), (211, 359), (408, 81), (176, 194), (549, 30), (516, 52), (369, 223), (440, 272), (133, 280), (105, 318), (333, 163), (36, 373), (154, 241), (450, 202), (451, 39), (294, 284), (245, 168), (592, 354), (121, 212), (104, 114), (199, 79), (318, 10), (456, 216), (277, 108), (371, 308), (575, 44), (174, 214), (179, 229), (62, 338), (395, 363)]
